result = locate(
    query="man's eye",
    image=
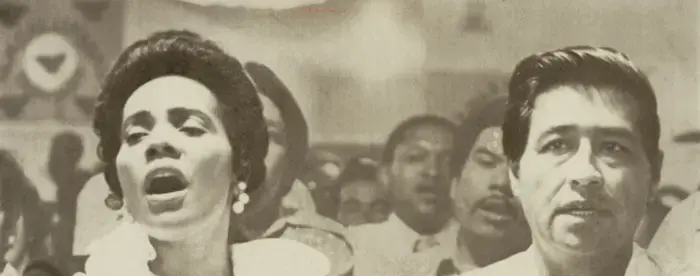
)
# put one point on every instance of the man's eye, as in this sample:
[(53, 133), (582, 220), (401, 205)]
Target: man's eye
[(557, 146), (134, 138), (614, 148), (192, 131)]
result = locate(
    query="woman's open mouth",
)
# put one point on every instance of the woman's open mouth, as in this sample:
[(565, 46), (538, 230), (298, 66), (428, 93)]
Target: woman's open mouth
[(165, 189)]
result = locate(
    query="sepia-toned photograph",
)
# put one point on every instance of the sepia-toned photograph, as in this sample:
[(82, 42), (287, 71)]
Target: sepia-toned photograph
[(349, 138)]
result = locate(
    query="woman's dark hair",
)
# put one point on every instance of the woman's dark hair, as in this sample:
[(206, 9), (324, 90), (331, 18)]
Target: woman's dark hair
[(358, 169), (184, 53), (484, 112), (20, 198), (296, 130), (587, 66)]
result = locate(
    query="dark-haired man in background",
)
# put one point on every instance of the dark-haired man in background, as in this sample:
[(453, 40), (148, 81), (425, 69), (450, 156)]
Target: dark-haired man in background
[(581, 134), (492, 226), (416, 167)]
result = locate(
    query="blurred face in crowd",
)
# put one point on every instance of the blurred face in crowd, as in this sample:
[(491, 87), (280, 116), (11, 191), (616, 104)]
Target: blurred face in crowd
[(419, 176), (484, 203), (584, 178), (174, 164), (362, 201)]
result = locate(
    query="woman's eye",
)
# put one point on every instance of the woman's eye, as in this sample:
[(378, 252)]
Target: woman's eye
[(557, 146), (192, 131), (135, 137)]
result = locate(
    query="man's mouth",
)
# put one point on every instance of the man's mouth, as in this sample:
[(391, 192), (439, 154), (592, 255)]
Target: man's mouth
[(581, 209), (498, 209), (164, 181)]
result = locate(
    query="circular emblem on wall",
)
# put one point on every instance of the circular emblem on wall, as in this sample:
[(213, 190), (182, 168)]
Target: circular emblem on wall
[(52, 72)]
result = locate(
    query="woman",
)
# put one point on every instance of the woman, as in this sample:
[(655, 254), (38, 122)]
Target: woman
[(182, 134), (24, 221)]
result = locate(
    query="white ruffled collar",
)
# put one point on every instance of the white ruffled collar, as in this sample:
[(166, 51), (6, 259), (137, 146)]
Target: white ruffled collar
[(127, 251)]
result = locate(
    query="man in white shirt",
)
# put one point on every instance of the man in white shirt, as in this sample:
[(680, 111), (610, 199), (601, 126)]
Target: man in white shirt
[(416, 167), (581, 134)]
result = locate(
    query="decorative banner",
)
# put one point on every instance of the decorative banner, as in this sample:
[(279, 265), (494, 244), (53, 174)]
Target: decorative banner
[(55, 54), (256, 4), (55, 57)]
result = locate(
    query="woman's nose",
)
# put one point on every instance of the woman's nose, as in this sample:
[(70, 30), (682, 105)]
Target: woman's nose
[(161, 149)]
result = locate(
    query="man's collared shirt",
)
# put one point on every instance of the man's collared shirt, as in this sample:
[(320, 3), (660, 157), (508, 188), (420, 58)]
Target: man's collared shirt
[(385, 246), (525, 263), (676, 244)]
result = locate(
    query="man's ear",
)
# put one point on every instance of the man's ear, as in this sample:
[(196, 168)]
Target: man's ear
[(383, 176), (656, 166), (453, 188), (513, 177)]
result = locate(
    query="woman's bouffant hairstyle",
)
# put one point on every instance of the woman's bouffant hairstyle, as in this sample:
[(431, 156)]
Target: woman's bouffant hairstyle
[(184, 53)]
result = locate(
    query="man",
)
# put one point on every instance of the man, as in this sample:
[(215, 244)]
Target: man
[(581, 133), (677, 240), (362, 197), (492, 226), (416, 166), (288, 146)]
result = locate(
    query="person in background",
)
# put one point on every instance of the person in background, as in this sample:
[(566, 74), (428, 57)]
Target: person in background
[(64, 167), (320, 174), (362, 198), (492, 226), (24, 224), (676, 242), (581, 134), (269, 216), (416, 166), (666, 197)]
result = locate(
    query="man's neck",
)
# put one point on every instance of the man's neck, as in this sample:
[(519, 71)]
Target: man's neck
[(201, 254), (479, 251), (612, 263), (423, 224)]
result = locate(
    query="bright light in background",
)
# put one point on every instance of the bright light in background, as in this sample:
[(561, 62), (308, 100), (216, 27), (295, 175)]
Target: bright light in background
[(256, 4), (378, 45)]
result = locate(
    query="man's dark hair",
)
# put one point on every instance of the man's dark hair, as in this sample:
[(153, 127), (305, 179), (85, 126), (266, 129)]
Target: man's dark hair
[(187, 54), (398, 135), (483, 113), (586, 66), (358, 169)]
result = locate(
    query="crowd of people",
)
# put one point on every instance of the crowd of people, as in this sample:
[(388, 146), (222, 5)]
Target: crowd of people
[(206, 162)]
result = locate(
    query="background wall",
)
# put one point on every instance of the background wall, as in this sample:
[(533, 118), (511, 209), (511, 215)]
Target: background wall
[(52, 58), (357, 67)]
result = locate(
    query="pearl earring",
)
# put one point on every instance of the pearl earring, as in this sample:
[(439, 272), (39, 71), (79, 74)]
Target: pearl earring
[(241, 198), (114, 202)]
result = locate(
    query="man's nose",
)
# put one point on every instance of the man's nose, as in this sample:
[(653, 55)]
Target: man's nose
[(583, 171), (431, 166), (500, 182), (161, 149)]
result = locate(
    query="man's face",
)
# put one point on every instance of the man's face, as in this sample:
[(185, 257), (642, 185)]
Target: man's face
[(419, 176), (483, 201), (584, 178), (362, 201)]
